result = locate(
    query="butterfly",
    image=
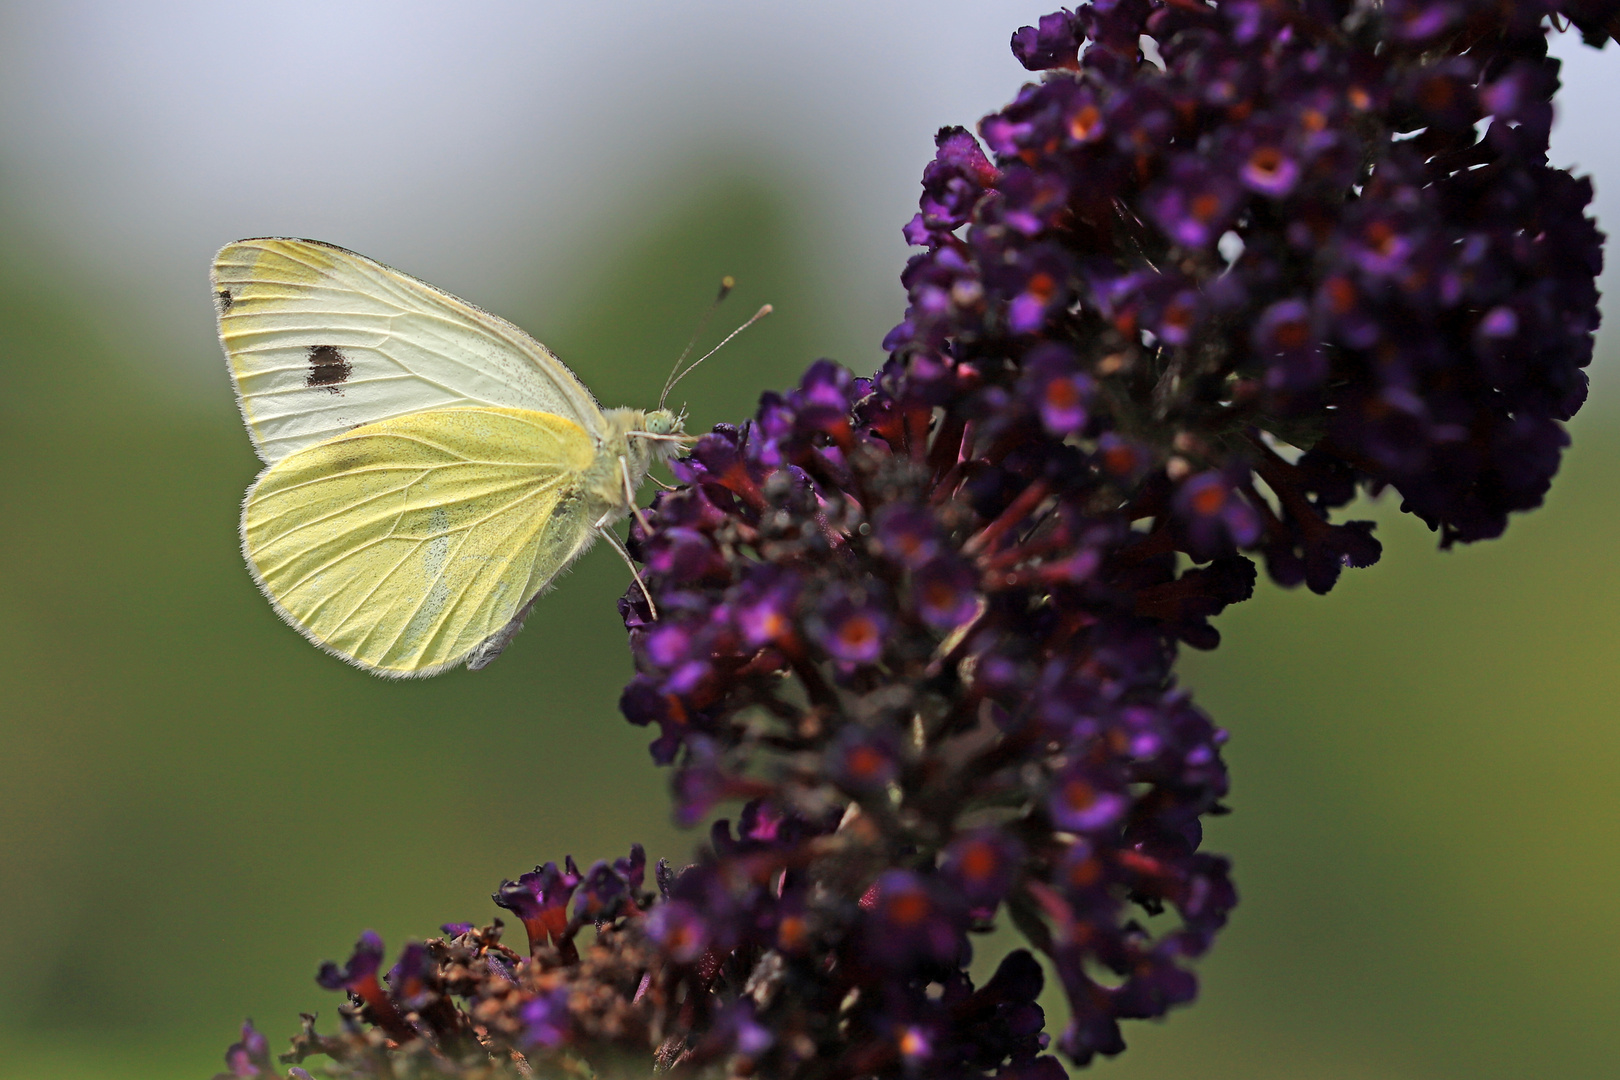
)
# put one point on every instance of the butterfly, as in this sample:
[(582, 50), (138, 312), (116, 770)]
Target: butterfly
[(430, 468)]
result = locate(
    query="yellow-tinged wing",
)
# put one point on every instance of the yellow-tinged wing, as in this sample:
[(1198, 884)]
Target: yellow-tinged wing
[(321, 340), (414, 544)]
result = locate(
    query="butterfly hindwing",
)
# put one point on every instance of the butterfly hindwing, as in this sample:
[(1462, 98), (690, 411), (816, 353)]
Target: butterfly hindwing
[(405, 545), (321, 341)]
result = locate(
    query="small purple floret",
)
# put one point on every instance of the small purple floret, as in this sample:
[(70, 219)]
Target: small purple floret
[(546, 1020)]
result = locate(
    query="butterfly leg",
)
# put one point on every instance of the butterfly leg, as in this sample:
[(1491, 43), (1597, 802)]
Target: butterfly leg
[(617, 545), (630, 497)]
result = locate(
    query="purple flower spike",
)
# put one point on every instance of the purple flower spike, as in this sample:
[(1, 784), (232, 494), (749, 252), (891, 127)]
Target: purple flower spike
[(1188, 309), (1041, 1068), (362, 966)]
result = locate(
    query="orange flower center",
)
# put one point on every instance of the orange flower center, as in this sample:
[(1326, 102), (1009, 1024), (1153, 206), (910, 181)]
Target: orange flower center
[(1267, 161), (908, 909), (858, 632), (1084, 122), (1341, 294), (1293, 334), (1120, 459), (1208, 501), (865, 762), (1079, 794), (980, 862), (1062, 394), (793, 933)]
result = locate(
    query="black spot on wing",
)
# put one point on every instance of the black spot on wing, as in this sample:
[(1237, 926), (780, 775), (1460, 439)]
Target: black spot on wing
[(225, 301), (328, 368)]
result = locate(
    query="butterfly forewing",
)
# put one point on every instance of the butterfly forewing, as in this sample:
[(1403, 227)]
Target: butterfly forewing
[(405, 544), (322, 341)]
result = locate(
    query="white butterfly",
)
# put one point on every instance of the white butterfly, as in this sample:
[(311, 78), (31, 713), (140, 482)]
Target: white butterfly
[(431, 468)]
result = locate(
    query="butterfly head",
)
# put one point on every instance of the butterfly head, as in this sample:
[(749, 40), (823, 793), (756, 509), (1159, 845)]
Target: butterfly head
[(652, 436), (663, 423)]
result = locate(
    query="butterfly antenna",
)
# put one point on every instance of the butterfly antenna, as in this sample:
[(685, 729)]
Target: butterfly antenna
[(752, 319), (727, 283)]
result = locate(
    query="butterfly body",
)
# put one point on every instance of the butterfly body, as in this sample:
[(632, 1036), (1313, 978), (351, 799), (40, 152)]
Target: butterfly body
[(431, 469)]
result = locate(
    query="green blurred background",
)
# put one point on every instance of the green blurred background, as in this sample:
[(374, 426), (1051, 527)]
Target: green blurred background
[(197, 807)]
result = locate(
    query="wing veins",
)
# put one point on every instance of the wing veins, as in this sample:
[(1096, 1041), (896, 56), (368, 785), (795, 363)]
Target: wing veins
[(405, 489), (319, 604), (269, 518), (427, 593), (340, 557), (505, 564), (538, 526)]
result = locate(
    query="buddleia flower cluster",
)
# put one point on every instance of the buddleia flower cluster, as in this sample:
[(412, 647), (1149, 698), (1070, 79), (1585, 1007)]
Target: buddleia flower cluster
[(1218, 270)]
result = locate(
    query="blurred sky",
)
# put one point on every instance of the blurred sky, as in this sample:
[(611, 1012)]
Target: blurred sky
[(483, 145), (470, 144)]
